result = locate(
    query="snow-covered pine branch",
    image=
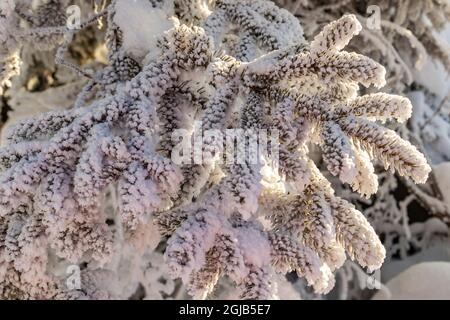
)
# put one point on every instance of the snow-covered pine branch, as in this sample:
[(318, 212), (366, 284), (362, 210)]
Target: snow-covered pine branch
[(233, 64)]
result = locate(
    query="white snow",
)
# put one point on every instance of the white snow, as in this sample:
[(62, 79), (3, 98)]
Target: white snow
[(142, 25), (427, 281), (433, 75)]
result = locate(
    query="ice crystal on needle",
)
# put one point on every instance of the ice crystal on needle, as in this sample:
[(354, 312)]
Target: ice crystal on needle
[(227, 64)]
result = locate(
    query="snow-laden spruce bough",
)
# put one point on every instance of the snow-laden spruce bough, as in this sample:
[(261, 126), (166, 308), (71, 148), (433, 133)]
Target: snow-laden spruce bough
[(226, 64)]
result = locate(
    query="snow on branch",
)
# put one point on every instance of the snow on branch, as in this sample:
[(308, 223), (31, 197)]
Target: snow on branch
[(230, 65)]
